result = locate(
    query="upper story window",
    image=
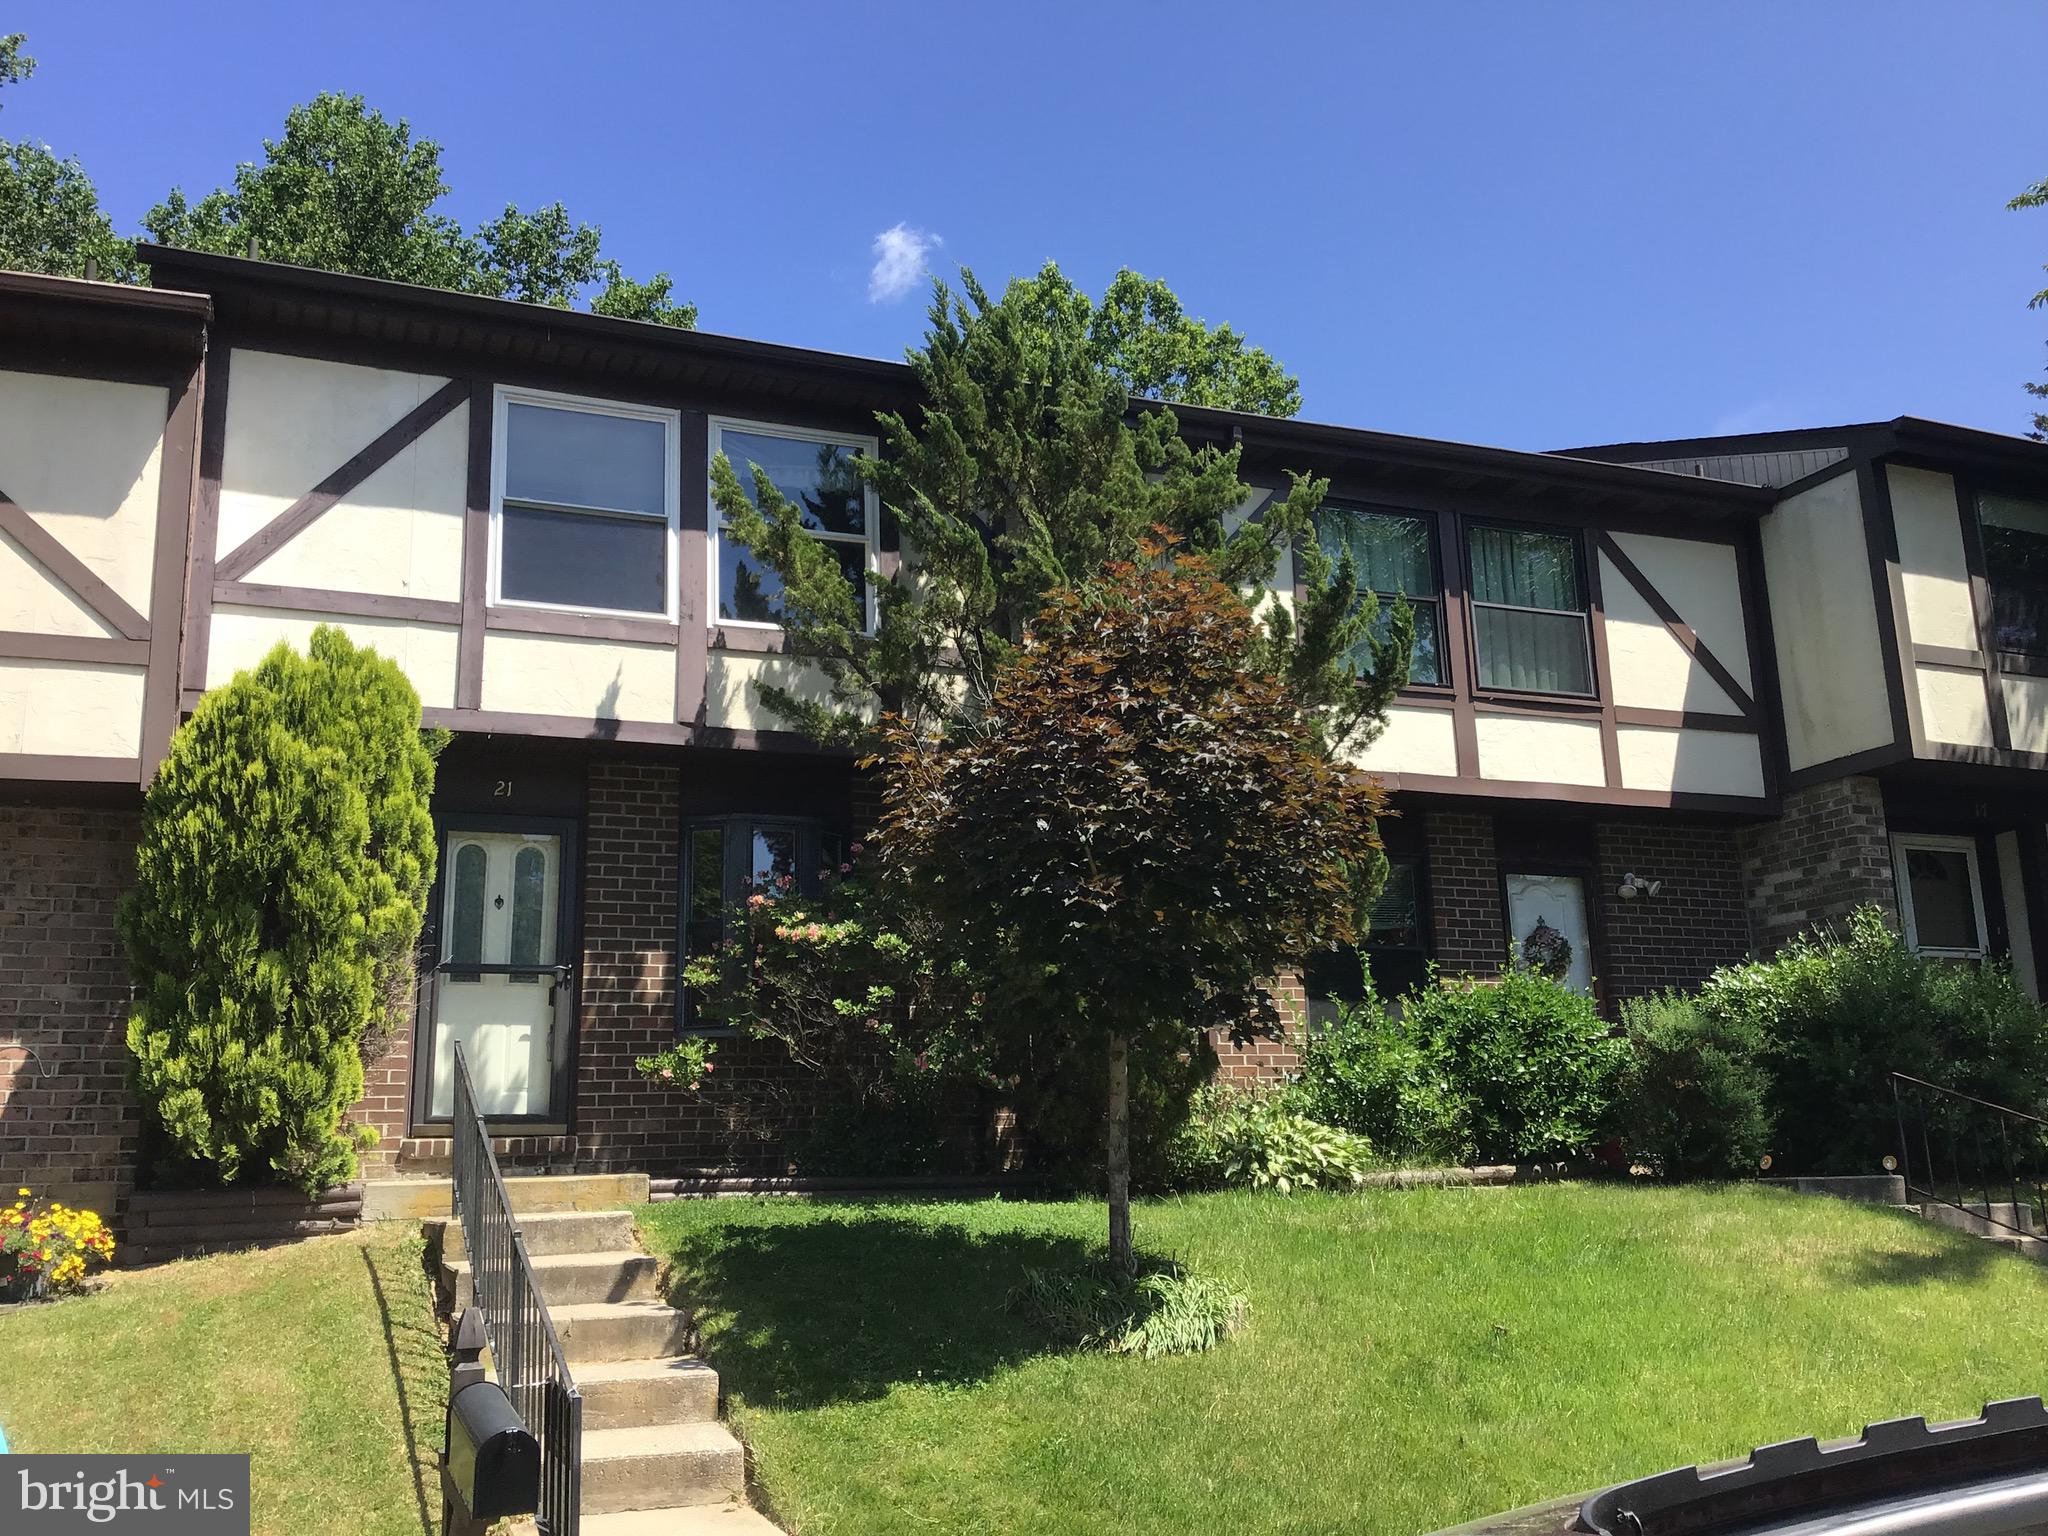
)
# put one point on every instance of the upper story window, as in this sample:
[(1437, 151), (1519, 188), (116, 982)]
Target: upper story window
[(814, 470), (1529, 611), (1941, 897), (2016, 559), (585, 504), (1394, 556)]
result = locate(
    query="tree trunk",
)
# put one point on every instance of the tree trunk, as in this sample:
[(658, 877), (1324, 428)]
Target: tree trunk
[(1117, 1142)]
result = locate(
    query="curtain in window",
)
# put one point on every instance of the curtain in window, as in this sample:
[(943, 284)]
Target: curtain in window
[(2016, 558), (1534, 640), (1391, 553)]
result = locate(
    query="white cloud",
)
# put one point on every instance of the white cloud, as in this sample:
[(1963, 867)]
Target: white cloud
[(900, 255)]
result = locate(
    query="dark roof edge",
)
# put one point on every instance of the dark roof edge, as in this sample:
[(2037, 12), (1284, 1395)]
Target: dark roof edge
[(1439, 453), (216, 271), (78, 290), (1880, 436)]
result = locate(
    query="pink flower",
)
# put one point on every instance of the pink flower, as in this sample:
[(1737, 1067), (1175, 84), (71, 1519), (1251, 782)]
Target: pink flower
[(854, 848), (757, 900), (846, 869), (668, 1074), (709, 1067)]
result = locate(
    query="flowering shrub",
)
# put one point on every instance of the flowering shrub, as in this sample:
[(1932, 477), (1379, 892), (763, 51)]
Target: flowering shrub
[(683, 1065), (46, 1246)]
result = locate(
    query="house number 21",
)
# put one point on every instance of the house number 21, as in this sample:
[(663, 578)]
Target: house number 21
[(503, 790)]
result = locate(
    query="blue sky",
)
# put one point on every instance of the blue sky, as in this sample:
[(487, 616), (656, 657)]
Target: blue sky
[(1530, 225)]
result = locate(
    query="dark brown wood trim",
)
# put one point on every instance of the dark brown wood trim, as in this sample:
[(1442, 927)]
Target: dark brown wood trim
[(1980, 610), (1762, 642), (1575, 794), (42, 546), (476, 546), (740, 637), (1426, 698), (624, 732), (584, 626), (1881, 541), (367, 605), (17, 645), (177, 490), (1603, 677), (1866, 761), (307, 510), (70, 770), (1455, 638), (1675, 622), (2032, 839), (693, 567), (213, 421), (1950, 656), (1685, 720), (1547, 705)]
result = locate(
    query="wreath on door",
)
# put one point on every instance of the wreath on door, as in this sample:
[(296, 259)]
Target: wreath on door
[(1547, 951)]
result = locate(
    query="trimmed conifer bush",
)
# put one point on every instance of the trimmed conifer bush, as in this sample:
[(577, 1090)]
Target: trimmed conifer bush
[(286, 855)]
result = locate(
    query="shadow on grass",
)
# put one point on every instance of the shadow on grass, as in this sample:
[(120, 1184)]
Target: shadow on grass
[(1961, 1261), (841, 1309), (416, 1357)]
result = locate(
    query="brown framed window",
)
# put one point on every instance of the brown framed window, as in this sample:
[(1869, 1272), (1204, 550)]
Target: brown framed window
[(1393, 555), (1530, 627)]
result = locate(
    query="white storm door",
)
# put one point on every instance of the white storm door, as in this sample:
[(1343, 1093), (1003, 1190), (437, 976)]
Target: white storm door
[(497, 985), (1556, 902)]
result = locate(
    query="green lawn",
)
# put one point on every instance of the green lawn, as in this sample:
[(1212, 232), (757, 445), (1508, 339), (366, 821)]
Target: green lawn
[(1414, 1359), (320, 1359)]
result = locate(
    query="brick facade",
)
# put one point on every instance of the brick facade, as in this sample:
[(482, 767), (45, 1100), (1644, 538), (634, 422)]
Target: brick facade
[(67, 1123), (1696, 922), (1827, 854), (1468, 926)]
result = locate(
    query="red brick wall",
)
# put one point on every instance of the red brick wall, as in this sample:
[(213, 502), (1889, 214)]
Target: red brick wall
[(386, 1083), (1696, 922), (64, 993), (1468, 927), (1258, 1059), (1826, 855)]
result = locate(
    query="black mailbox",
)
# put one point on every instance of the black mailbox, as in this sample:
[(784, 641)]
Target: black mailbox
[(493, 1459)]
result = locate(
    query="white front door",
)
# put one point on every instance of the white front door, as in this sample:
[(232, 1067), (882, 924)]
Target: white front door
[(497, 990)]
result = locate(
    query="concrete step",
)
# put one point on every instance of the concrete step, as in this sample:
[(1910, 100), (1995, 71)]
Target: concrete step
[(424, 1199), (625, 1394), (620, 1330), (700, 1520), (613, 1275), (546, 1232), (1994, 1220), (662, 1466)]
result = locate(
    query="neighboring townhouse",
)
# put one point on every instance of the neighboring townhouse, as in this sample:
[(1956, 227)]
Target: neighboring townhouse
[(511, 502), (1907, 574)]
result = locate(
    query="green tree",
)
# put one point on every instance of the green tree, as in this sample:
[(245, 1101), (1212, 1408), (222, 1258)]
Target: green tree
[(1144, 829), (281, 880), (2036, 196), (1156, 349), (50, 218), (1025, 472), (347, 190)]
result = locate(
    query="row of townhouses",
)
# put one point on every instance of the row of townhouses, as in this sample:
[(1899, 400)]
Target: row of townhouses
[(1676, 700)]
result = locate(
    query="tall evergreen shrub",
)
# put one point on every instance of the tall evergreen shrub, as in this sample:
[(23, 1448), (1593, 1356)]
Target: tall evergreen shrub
[(286, 855)]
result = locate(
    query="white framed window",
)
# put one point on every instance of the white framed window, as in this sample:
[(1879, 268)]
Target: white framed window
[(814, 470), (585, 504), (1941, 896)]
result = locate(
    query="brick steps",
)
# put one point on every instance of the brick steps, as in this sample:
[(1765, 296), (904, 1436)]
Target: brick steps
[(565, 1278), (425, 1199), (661, 1466), (666, 1389), (620, 1330), (546, 1233)]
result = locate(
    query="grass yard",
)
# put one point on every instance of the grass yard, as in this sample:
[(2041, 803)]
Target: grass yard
[(320, 1359), (1414, 1359)]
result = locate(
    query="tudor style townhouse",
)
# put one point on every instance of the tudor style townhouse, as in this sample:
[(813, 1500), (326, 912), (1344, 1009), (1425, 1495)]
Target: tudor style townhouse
[(1674, 701)]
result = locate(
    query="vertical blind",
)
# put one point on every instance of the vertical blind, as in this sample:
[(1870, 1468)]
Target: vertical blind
[(1529, 612)]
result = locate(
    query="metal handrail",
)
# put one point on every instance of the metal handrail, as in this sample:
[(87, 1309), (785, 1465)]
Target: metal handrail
[(526, 1352), (1992, 1149)]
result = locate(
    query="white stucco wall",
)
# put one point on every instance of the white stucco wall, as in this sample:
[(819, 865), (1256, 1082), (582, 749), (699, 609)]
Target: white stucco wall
[(241, 637), (731, 701), (81, 457), (1537, 750), (293, 421), (585, 679), (1953, 708), (1702, 581), (1690, 762), (1933, 572), (68, 709), (2026, 712), (1416, 740), (1824, 624)]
